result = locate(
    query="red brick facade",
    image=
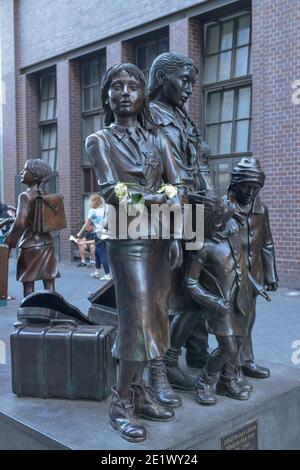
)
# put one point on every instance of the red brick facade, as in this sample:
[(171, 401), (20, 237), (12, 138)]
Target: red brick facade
[(276, 120), (276, 124), (9, 67), (118, 52)]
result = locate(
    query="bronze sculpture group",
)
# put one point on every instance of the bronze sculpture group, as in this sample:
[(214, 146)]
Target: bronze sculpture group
[(215, 287), (167, 296)]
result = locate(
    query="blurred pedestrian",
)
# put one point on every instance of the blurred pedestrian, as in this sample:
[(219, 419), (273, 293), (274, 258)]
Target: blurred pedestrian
[(96, 218)]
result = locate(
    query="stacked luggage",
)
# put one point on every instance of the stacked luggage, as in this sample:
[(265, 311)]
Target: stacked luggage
[(57, 352)]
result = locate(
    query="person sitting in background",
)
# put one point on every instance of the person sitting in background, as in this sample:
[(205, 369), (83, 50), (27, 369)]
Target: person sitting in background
[(85, 241), (5, 213), (96, 218)]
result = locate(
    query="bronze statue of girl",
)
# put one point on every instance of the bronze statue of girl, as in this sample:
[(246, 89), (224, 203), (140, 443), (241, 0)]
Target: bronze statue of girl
[(171, 80), (36, 260), (131, 150)]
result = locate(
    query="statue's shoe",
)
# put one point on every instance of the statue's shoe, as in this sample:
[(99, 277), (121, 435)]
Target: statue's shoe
[(229, 388), (254, 370), (241, 380), (180, 380)]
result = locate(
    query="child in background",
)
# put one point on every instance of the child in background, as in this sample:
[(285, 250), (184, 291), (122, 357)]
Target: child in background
[(96, 218)]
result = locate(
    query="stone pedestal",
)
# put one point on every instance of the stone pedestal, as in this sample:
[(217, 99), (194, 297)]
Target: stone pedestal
[(269, 420)]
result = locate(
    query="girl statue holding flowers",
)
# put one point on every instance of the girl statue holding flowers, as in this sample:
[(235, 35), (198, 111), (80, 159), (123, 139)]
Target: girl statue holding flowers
[(133, 161)]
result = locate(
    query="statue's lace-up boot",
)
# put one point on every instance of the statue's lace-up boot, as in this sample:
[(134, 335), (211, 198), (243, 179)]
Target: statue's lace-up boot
[(147, 407), (251, 369), (205, 388), (177, 378), (121, 413), (241, 380), (160, 386), (228, 387)]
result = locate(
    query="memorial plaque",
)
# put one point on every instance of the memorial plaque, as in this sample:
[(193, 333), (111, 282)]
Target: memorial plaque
[(242, 439)]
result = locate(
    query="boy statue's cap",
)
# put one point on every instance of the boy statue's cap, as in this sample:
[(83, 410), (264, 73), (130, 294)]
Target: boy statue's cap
[(248, 170)]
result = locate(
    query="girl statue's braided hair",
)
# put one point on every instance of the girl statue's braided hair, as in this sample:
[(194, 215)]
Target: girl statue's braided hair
[(169, 62)]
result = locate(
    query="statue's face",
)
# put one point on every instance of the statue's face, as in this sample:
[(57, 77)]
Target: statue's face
[(178, 86), (125, 95), (26, 176), (246, 192)]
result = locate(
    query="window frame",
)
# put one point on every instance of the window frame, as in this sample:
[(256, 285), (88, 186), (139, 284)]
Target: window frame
[(101, 68), (234, 83), (43, 124), (153, 38), (235, 88), (48, 149), (233, 49), (84, 114), (42, 77)]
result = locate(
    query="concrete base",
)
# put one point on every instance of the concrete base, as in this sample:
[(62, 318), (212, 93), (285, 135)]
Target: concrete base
[(27, 423)]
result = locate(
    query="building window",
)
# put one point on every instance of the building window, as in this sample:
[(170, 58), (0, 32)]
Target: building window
[(92, 116), (228, 120), (47, 118), (228, 49), (49, 144), (227, 88), (146, 51)]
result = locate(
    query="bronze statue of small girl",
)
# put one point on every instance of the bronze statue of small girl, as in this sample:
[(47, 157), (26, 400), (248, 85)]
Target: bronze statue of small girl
[(36, 259)]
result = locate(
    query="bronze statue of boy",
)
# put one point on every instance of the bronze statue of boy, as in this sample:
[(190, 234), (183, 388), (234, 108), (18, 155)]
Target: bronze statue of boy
[(247, 179), (217, 278)]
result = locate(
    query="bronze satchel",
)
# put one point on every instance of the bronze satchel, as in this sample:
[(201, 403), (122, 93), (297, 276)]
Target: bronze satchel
[(49, 213)]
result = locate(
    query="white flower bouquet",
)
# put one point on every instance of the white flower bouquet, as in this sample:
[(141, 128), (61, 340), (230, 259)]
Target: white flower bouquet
[(128, 194)]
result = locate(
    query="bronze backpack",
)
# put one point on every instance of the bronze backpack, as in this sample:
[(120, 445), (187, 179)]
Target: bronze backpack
[(49, 213)]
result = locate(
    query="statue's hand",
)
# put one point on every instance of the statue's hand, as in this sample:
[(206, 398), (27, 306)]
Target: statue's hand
[(199, 197), (195, 198), (225, 306), (175, 254), (273, 286), (239, 218), (266, 296)]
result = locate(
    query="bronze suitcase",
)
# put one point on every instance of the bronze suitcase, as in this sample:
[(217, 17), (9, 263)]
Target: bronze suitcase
[(103, 310), (62, 360)]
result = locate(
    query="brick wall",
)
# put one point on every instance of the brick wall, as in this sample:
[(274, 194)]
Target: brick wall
[(75, 24), (128, 52), (276, 129), (113, 54), (29, 134), (118, 52), (276, 124), (69, 149), (10, 164)]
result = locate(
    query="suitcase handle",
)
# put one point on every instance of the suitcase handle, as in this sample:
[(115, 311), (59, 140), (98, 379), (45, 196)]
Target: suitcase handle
[(58, 322)]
